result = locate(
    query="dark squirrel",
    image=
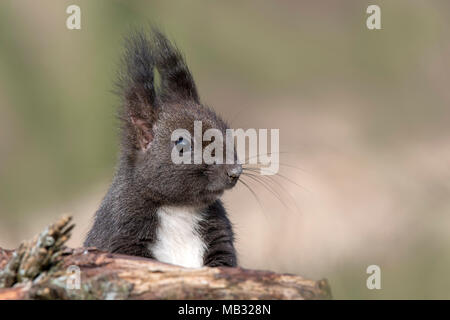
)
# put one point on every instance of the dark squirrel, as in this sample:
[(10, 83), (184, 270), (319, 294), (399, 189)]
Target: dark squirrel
[(155, 208)]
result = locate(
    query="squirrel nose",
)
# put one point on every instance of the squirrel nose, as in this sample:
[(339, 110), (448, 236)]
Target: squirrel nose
[(234, 172)]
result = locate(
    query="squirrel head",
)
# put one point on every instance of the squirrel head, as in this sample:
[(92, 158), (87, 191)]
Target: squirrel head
[(150, 116)]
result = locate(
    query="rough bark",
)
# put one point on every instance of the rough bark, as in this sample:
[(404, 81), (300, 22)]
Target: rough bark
[(42, 268)]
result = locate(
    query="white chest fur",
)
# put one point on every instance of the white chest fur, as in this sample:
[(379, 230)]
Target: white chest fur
[(178, 239)]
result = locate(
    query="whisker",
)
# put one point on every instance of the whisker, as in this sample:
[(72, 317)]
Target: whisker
[(254, 194), (267, 153), (267, 187), (279, 163), (256, 170), (286, 192)]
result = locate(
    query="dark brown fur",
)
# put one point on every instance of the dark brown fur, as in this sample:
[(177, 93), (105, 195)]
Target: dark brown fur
[(146, 178)]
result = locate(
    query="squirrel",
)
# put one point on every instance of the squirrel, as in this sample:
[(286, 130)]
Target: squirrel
[(155, 208)]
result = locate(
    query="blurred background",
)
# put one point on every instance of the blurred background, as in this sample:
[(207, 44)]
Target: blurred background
[(363, 118)]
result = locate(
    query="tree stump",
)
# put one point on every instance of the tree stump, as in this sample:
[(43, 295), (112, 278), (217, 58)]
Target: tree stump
[(44, 269)]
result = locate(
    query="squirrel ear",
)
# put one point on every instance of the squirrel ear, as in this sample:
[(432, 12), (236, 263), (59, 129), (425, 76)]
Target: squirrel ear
[(136, 86), (141, 113), (144, 133), (177, 82)]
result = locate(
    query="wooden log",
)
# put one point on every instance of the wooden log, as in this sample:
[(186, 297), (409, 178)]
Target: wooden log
[(44, 271)]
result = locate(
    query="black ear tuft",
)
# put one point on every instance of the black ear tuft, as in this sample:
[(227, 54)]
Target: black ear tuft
[(177, 82), (136, 87)]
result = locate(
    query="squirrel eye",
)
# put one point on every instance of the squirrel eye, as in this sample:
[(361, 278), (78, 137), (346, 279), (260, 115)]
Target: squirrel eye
[(183, 144)]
